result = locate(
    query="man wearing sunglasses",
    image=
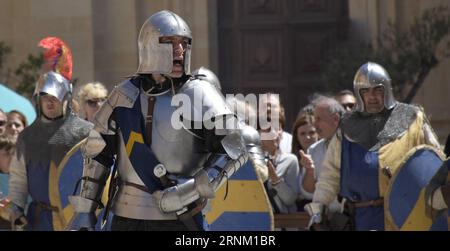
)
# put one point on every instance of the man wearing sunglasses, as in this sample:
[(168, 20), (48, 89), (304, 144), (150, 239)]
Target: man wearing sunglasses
[(364, 159), (346, 99), (165, 173)]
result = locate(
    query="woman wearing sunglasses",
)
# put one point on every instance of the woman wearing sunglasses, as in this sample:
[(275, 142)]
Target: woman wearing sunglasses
[(91, 96)]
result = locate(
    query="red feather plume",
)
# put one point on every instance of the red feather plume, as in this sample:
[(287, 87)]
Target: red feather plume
[(59, 55)]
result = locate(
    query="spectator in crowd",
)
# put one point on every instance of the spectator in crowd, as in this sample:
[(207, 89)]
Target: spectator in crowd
[(91, 97), (304, 135), (16, 123), (3, 121), (346, 99), (282, 186), (327, 116), (7, 147), (306, 110), (286, 138), (271, 103)]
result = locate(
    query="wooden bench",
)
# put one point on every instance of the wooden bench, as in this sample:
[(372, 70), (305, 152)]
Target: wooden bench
[(294, 220)]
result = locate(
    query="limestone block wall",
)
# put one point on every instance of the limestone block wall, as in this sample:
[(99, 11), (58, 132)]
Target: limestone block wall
[(101, 33)]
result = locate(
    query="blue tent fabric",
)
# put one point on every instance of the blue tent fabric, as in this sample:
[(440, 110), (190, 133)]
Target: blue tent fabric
[(10, 100)]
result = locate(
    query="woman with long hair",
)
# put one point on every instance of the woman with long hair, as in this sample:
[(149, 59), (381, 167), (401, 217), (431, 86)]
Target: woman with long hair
[(303, 135)]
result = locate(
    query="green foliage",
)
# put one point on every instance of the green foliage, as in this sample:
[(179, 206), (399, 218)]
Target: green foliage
[(407, 55), (4, 52), (28, 73), (340, 69), (25, 75)]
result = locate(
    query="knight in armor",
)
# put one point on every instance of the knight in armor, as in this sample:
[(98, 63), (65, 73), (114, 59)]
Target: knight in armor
[(365, 153), (163, 175), (36, 166), (40, 150)]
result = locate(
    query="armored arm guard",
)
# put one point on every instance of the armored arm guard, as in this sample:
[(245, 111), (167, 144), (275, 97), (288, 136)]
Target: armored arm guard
[(207, 181), (95, 173), (228, 164), (253, 146), (97, 160), (98, 153), (94, 177), (222, 138)]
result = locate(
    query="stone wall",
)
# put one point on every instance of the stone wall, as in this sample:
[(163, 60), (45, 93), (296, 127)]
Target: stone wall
[(101, 33)]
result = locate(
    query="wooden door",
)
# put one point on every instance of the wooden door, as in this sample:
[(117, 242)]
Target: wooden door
[(277, 46)]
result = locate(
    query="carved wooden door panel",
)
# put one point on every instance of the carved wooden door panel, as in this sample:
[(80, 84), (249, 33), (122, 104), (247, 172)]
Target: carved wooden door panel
[(277, 46)]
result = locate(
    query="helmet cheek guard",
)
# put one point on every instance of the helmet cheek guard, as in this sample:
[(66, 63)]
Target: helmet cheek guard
[(156, 57)]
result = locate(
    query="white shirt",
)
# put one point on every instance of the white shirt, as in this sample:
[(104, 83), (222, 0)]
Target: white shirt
[(318, 151), (286, 142)]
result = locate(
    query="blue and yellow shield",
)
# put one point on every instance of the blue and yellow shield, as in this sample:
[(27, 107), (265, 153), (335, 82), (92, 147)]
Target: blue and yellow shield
[(421, 171), (246, 206), (62, 184)]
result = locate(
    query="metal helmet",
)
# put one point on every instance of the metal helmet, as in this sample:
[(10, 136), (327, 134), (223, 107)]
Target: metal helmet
[(54, 84), (156, 57), (372, 75), (206, 74)]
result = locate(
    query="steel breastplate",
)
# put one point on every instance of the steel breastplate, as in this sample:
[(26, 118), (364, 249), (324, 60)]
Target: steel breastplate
[(179, 150)]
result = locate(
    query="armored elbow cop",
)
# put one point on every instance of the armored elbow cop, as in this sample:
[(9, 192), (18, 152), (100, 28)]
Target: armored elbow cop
[(208, 180), (203, 185)]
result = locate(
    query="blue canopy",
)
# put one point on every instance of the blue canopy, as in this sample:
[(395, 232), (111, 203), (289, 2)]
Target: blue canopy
[(10, 100)]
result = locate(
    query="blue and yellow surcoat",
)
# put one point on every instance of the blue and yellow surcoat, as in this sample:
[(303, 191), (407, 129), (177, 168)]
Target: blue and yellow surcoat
[(367, 174)]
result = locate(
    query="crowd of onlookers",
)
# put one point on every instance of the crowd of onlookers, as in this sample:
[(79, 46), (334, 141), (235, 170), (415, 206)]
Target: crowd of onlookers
[(293, 159), (89, 99)]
